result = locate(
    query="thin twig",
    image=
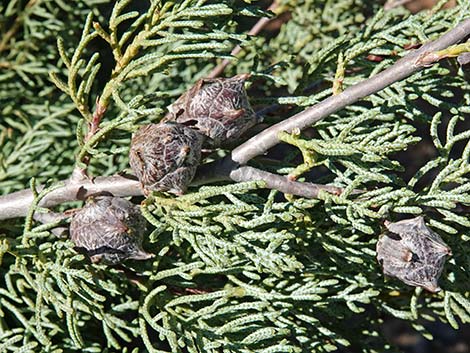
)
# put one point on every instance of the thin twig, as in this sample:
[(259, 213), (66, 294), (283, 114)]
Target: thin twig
[(222, 171), (262, 22), (390, 4), (18, 203), (80, 173), (281, 183)]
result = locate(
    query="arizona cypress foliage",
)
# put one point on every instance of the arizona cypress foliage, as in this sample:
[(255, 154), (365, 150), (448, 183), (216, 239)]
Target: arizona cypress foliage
[(237, 267)]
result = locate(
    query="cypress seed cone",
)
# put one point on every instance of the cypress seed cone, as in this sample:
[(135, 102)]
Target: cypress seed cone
[(410, 251), (165, 156), (218, 108), (109, 229)]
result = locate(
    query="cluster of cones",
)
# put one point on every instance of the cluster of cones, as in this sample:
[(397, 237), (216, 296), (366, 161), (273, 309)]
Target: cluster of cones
[(164, 156), (214, 113)]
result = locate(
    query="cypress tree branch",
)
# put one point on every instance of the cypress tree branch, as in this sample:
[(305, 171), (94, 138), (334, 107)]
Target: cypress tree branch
[(402, 69), (235, 266), (16, 204)]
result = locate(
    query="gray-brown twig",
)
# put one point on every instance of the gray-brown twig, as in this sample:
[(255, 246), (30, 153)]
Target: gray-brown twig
[(390, 4), (281, 183), (17, 204)]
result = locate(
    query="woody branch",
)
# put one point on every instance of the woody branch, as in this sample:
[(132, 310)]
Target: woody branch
[(231, 167)]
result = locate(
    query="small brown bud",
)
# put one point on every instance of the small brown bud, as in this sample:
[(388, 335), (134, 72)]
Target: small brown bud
[(109, 229), (218, 108), (165, 156), (413, 253)]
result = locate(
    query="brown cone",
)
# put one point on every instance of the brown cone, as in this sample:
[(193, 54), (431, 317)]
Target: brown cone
[(413, 253), (165, 156), (109, 229), (218, 108)]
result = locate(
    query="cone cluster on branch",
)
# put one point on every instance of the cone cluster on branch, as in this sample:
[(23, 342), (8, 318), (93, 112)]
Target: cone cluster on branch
[(213, 113), (164, 157)]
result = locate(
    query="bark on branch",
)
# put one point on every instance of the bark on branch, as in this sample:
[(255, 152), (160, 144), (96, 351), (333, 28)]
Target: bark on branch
[(17, 204)]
